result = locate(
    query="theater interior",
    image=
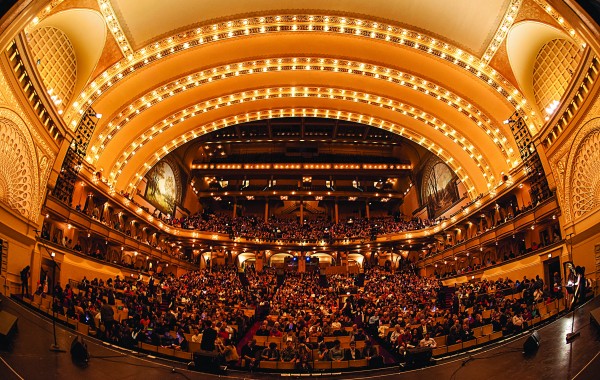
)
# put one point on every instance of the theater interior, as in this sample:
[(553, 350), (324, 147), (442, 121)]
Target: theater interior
[(356, 170)]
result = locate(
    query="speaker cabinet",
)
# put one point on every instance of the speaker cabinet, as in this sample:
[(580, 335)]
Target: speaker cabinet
[(8, 324), (531, 344), (79, 351)]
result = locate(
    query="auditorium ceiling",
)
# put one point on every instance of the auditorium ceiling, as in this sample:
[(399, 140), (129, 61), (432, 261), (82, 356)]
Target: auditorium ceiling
[(442, 74)]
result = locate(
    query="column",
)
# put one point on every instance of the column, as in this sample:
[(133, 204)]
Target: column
[(266, 210), (337, 214), (367, 211), (301, 211), (234, 208)]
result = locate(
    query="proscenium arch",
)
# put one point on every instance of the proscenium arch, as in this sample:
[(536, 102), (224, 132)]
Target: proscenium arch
[(131, 178), (189, 81), (265, 25), (344, 94)]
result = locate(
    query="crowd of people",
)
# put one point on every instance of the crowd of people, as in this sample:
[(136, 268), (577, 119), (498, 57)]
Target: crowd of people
[(252, 227), (395, 310)]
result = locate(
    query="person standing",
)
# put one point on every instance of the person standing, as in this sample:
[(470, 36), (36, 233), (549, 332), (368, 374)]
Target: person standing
[(107, 315), (209, 336), (25, 281)]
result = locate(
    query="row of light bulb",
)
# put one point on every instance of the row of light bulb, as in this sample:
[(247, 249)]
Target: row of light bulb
[(284, 112), (418, 115), (273, 24), (156, 95)]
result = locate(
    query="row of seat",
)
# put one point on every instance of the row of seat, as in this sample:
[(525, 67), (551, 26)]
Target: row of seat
[(166, 351), (344, 340), (315, 365), (485, 334), (44, 304)]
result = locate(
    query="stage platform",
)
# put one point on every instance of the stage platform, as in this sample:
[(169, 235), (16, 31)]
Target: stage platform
[(29, 357)]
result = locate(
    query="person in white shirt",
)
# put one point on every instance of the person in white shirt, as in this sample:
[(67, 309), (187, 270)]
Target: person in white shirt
[(197, 337), (428, 341), (517, 321)]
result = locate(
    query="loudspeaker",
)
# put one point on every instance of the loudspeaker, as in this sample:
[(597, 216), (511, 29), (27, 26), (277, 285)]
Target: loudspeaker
[(208, 361), (595, 316), (532, 343), (79, 351), (8, 324), (419, 356)]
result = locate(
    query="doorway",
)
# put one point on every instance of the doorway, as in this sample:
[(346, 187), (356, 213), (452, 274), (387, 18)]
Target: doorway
[(551, 266)]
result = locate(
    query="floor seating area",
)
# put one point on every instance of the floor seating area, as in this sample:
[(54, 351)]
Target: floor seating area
[(486, 334)]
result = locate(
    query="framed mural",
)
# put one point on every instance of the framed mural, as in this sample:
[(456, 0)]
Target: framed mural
[(163, 189), (438, 187)]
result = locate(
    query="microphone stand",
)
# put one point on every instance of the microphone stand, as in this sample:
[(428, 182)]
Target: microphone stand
[(573, 334), (54, 347)]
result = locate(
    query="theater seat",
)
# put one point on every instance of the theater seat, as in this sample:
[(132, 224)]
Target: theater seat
[(286, 366), (339, 365), (83, 328), (166, 351), (358, 363), (496, 335), (265, 364), (194, 346), (454, 347), (322, 365), (440, 340), (149, 347), (183, 355)]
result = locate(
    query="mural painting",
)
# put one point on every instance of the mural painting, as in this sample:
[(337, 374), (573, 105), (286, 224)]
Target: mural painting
[(161, 190), (439, 188)]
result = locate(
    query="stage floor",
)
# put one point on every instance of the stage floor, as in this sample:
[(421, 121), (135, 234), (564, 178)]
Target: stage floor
[(29, 356)]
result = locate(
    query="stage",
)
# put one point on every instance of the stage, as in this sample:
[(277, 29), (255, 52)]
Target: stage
[(29, 356)]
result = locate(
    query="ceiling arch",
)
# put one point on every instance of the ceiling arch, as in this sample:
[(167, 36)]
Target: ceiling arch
[(189, 82), (87, 46), (372, 66), (349, 95), (524, 41), (144, 156), (402, 67), (331, 26)]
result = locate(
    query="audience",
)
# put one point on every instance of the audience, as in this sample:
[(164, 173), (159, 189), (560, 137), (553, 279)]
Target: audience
[(305, 312)]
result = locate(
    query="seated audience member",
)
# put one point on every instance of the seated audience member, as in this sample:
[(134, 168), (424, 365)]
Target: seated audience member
[(323, 353), (230, 354), (197, 336), (428, 341), (270, 353), (304, 356), (336, 353), (263, 330), (353, 353), (289, 354), (249, 353), (371, 353)]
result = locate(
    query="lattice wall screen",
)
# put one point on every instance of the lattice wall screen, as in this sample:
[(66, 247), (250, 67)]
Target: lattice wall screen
[(57, 62), (554, 66)]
